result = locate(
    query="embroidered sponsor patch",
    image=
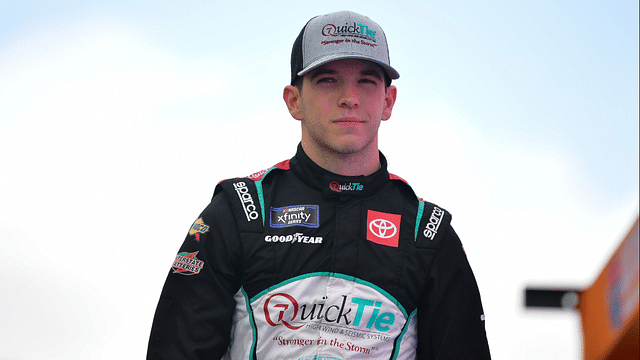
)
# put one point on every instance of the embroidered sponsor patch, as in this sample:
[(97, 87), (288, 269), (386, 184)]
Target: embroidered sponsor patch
[(198, 227), (293, 239), (383, 228), (187, 263), (295, 215), (433, 225), (338, 187), (248, 204)]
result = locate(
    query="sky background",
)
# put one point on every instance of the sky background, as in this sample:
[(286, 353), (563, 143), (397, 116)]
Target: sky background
[(118, 118)]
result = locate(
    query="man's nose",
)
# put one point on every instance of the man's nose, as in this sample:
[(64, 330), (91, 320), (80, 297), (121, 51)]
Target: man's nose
[(349, 95)]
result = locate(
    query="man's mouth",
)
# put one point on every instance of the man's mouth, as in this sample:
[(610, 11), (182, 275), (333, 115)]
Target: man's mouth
[(348, 121)]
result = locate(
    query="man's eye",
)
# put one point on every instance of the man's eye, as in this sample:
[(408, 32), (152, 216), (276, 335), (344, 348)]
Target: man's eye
[(368, 81), (326, 80)]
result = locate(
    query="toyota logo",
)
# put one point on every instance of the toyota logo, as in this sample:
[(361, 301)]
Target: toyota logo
[(382, 228)]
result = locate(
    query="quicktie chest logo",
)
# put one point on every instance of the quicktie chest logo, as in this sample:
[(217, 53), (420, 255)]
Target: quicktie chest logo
[(383, 228), (297, 215), (433, 225), (283, 309), (250, 209)]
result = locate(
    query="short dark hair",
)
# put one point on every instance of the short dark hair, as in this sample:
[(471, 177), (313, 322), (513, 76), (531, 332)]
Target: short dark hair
[(297, 82)]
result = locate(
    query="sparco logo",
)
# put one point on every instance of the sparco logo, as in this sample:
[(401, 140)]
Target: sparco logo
[(352, 29), (434, 223), (250, 209), (284, 309), (337, 187), (382, 228)]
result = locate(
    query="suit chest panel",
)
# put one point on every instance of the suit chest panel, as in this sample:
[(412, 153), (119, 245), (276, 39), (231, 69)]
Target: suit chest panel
[(368, 238)]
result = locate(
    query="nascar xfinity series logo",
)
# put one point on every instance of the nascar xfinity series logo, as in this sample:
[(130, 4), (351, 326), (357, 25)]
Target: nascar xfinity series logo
[(297, 215)]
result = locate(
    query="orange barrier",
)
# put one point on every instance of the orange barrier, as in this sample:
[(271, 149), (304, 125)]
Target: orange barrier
[(609, 307)]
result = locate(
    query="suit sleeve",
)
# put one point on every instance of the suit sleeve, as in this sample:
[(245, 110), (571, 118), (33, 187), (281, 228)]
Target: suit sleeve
[(450, 315), (194, 313)]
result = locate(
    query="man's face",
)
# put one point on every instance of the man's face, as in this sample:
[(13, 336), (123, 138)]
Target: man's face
[(341, 106)]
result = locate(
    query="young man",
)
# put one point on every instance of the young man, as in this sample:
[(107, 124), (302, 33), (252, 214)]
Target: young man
[(325, 255)]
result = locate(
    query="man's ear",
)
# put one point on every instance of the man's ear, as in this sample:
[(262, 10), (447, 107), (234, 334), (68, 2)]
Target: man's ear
[(389, 101), (291, 96)]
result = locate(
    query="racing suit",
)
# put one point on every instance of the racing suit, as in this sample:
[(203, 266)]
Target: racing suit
[(295, 262)]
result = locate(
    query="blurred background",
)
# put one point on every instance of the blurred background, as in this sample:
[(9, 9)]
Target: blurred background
[(118, 118)]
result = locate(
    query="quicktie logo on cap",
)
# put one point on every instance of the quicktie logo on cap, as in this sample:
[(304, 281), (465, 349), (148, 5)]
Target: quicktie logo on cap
[(353, 29)]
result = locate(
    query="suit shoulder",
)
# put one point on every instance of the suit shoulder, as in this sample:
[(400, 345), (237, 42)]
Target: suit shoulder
[(432, 221)]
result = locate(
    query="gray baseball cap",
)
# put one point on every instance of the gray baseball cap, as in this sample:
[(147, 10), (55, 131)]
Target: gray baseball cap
[(336, 36)]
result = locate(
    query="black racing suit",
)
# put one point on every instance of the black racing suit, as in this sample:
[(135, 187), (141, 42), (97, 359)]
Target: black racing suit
[(296, 262)]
